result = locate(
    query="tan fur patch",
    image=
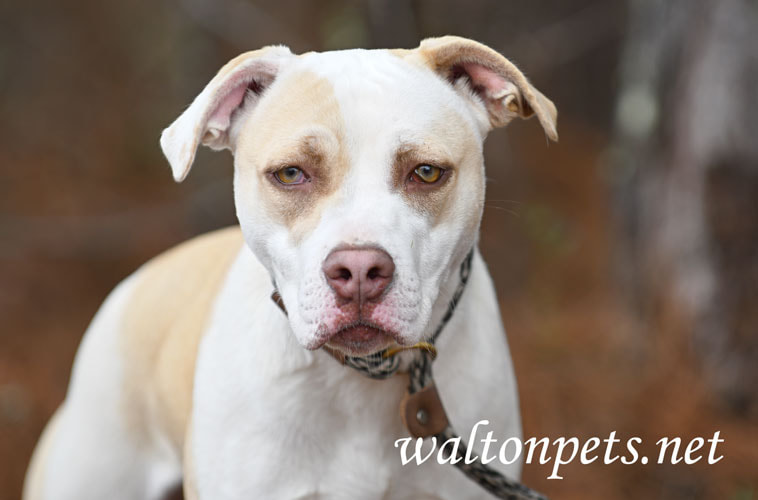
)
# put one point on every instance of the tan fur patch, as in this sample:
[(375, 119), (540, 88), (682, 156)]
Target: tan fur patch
[(302, 126), (189, 482), (455, 148), (162, 327)]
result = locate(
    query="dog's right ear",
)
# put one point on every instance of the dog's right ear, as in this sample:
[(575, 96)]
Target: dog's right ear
[(210, 117)]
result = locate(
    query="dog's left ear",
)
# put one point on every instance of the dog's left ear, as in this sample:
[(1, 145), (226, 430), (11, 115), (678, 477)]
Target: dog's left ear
[(209, 120), (500, 86)]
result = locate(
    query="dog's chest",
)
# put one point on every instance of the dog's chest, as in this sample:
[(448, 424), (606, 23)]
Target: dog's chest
[(315, 433)]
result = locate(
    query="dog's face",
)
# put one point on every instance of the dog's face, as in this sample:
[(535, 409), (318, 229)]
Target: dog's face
[(359, 180)]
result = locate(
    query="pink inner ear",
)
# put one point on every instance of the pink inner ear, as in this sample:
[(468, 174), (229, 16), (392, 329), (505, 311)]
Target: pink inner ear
[(221, 116), (485, 78)]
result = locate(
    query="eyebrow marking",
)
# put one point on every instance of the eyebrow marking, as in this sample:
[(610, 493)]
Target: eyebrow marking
[(310, 151), (409, 154)]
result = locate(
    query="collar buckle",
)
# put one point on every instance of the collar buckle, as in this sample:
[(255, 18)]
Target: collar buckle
[(423, 346)]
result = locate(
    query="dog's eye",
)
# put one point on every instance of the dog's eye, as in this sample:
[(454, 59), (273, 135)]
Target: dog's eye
[(428, 174), (290, 175)]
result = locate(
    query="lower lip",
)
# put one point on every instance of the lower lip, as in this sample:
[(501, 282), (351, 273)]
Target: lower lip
[(360, 340)]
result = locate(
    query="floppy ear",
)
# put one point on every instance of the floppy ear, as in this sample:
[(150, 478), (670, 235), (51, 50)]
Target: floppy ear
[(505, 92), (210, 117)]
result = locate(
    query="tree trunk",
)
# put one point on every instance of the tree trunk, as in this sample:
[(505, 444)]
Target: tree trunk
[(687, 178)]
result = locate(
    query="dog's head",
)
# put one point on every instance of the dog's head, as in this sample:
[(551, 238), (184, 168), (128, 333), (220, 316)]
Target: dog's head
[(359, 178)]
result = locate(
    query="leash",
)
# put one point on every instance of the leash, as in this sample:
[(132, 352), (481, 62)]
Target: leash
[(421, 409), (424, 416)]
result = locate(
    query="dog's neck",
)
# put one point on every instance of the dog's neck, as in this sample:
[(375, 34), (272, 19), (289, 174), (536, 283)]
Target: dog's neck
[(448, 289)]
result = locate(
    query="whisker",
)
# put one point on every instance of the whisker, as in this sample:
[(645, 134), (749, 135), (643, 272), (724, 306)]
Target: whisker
[(509, 201), (512, 212)]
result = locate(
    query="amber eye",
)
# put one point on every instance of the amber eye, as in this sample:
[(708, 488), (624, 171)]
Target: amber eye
[(428, 174), (290, 175)]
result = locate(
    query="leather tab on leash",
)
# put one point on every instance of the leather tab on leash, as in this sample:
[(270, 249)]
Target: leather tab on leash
[(422, 413)]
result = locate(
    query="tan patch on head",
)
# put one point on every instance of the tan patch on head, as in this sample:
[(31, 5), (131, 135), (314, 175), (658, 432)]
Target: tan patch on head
[(448, 145), (301, 125), (163, 324), (429, 199)]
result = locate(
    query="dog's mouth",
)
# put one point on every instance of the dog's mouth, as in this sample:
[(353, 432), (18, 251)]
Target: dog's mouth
[(360, 339)]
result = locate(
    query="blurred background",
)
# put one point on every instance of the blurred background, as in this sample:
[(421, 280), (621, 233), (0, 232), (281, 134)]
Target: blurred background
[(625, 256)]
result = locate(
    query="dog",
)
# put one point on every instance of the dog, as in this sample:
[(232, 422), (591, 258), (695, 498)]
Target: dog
[(359, 187)]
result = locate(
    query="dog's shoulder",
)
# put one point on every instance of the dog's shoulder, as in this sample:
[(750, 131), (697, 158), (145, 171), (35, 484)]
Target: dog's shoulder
[(163, 323), (195, 261)]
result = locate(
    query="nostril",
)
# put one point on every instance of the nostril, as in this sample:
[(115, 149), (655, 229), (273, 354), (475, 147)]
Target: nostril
[(373, 273), (344, 274)]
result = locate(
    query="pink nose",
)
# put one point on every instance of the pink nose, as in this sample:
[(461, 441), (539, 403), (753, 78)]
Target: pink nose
[(359, 274)]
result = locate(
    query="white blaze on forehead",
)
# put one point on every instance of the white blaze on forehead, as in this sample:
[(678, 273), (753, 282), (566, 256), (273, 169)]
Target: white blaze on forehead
[(380, 93)]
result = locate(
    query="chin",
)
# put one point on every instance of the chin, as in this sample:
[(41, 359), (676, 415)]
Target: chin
[(361, 340)]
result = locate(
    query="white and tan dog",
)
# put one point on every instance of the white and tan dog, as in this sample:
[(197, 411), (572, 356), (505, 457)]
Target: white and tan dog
[(359, 186)]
